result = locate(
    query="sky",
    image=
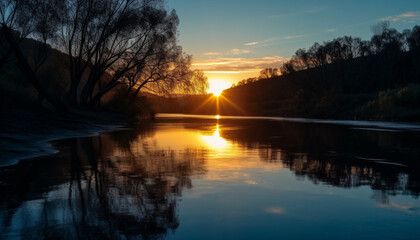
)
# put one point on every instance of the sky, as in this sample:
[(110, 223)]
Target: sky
[(231, 40)]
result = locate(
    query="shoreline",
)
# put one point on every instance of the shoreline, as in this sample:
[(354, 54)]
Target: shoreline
[(27, 134), (385, 125)]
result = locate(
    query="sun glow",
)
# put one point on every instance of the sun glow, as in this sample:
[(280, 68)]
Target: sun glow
[(215, 141), (217, 87)]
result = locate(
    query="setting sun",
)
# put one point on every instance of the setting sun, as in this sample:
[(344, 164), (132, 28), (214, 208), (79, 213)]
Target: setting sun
[(217, 87)]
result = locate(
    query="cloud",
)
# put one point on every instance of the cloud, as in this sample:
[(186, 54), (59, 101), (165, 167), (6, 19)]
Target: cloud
[(409, 208), (226, 72), (250, 182), (238, 65), (275, 210), (251, 43), (237, 51), (404, 17), (330, 30), (294, 36), (212, 54)]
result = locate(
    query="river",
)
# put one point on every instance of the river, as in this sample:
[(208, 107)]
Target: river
[(206, 177)]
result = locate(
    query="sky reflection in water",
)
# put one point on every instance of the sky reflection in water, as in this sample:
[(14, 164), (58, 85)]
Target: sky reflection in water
[(219, 179)]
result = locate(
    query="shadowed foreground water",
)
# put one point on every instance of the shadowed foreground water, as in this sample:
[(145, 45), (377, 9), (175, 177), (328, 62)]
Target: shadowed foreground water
[(197, 178)]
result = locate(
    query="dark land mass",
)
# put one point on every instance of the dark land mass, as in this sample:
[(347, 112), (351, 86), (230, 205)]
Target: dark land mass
[(367, 88), (27, 133), (371, 88), (345, 78), (375, 80)]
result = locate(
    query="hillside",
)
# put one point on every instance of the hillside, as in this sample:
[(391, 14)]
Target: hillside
[(380, 87), (345, 78)]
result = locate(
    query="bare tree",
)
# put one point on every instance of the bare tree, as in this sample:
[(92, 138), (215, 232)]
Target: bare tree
[(269, 73), (386, 38), (413, 38), (112, 42), (18, 20)]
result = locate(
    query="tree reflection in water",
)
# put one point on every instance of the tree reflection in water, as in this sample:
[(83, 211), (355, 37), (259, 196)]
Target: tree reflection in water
[(123, 185), (387, 161), (97, 188)]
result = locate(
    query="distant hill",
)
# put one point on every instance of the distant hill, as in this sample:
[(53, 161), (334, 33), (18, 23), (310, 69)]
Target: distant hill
[(345, 78), (15, 89), (380, 87), (191, 104)]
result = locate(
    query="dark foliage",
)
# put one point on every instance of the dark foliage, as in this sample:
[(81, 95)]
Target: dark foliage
[(343, 79), (105, 45)]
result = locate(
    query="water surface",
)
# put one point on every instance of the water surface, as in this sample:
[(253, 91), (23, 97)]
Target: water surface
[(207, 178)]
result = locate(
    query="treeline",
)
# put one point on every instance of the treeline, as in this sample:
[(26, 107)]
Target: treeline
[(189, 104), (100, 49), (343, 79), (386, 40)]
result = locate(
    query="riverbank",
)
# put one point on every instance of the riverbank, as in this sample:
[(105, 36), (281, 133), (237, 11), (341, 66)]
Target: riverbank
[(363, 124), (27, 133)]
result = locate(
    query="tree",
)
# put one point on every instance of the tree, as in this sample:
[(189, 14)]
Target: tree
[(112, 42), (413, 38), (19, 19), (167, 72), (269, 73), (386, 38), (107, 42), (245, 81)]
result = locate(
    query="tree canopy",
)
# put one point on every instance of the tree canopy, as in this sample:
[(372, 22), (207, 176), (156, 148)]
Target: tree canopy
[(109, 43)]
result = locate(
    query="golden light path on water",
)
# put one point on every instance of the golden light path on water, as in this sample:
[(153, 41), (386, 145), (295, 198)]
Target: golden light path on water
[(215, 141), (226, 160)]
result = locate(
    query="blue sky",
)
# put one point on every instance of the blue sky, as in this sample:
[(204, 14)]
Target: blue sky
[(232, 39)]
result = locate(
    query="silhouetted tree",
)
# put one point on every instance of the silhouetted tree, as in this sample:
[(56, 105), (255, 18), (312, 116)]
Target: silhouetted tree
[(19, 19), (169, 72), (109, 41), (385, 38), (246, 81), (413, 38), (269, 73)]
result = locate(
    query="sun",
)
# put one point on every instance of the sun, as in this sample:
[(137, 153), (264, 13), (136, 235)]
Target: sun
[(217, 87)]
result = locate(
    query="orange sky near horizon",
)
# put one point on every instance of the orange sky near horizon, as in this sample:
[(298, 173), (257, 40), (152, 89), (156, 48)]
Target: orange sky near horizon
[(228, 71), (235, 40)]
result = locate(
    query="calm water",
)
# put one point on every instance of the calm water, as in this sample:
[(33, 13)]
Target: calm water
[(196, 178)]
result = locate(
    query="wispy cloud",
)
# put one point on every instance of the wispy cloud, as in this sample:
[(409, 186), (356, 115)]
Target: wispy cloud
[(234, 51), (212, 54), (409, 207), (237, 51), (294, 36), (226, 72), (330, 30), (238, 65), (408, 17), (250, 182), (251, 43), (211, 63), (275, 210), (261, 43)]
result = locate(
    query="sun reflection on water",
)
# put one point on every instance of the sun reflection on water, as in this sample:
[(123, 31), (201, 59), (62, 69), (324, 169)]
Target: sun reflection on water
[(215, 141)]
